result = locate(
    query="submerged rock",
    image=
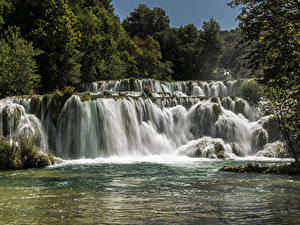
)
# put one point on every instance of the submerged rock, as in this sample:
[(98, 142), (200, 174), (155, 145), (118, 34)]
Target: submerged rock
[(290, 169)]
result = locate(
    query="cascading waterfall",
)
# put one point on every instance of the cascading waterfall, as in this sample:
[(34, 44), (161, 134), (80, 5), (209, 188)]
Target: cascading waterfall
[(104, 125), (16, 121), (187, 88)]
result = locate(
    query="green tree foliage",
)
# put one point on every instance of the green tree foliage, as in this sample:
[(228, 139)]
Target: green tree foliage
[(144, 22), (234, 58), (212, 48), (271, 27), (148, 56), (102, 36), (194, 53), (59, 38), (17, 65), (84, 41), (5, 7), (188, 48)]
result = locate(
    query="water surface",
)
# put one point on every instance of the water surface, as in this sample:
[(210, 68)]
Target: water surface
[(147, 191)]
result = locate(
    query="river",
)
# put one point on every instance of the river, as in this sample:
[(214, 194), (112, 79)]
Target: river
[(148, 190)]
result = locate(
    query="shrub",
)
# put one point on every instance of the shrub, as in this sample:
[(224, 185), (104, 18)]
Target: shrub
[(250, 90), (68, 91), (23, 155)]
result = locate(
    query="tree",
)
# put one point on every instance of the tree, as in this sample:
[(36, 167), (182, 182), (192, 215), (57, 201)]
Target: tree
[(101, 38), (233, 58), (144, 22), (147, 56), (17, 65), (5, 7), (271, 28), (52, 27), (212, 48), (188, 50), (59, 38)]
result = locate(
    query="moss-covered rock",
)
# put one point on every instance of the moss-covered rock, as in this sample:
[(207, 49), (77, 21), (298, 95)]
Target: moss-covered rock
[(236, 149), (290, 169), (240, 106), (17, 117), (217, 110), (272, 127), (131, 83), (35, 103), (56, 102), (214, 99), (5, 121), (219, 150), (147, 92)]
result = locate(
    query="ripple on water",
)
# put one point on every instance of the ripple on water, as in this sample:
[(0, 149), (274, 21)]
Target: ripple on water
[(147, 192)]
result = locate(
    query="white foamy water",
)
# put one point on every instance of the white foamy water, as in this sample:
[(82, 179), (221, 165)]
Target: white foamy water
[(135, 127)]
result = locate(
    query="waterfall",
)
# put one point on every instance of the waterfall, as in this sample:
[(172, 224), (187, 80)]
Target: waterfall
[(197, 119), (188, 88), (16, 121)]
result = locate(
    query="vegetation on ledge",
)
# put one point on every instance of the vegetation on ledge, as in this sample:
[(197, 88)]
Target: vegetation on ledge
[(22, 153), (290, 169)]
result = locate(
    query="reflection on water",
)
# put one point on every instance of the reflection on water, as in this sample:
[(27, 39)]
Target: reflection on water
[(194, 192)]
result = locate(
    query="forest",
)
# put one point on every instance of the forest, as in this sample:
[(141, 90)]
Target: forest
[(50, 44)]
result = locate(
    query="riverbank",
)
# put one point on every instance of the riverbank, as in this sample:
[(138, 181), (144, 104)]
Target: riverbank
[(289, 169)]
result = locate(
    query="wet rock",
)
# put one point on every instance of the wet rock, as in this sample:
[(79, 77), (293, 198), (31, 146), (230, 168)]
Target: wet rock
[(290, 169), (5, 121), (240, 106), (217, 110), (272, 127), (219, 150)]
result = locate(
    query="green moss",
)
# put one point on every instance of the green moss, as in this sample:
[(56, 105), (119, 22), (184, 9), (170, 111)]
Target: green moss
[(69, 90), (17, 117), (25, 155), (36, 105), (217, 110), (250, 90), (84, 98), (56, 103), (240, 106)]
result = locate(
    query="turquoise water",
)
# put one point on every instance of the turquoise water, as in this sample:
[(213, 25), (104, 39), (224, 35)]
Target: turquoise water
[(147, 191)]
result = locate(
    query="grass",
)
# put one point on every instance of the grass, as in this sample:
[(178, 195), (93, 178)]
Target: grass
[(22, 153)]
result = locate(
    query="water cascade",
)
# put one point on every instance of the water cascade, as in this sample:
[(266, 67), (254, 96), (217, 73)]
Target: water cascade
[(117, 118)]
